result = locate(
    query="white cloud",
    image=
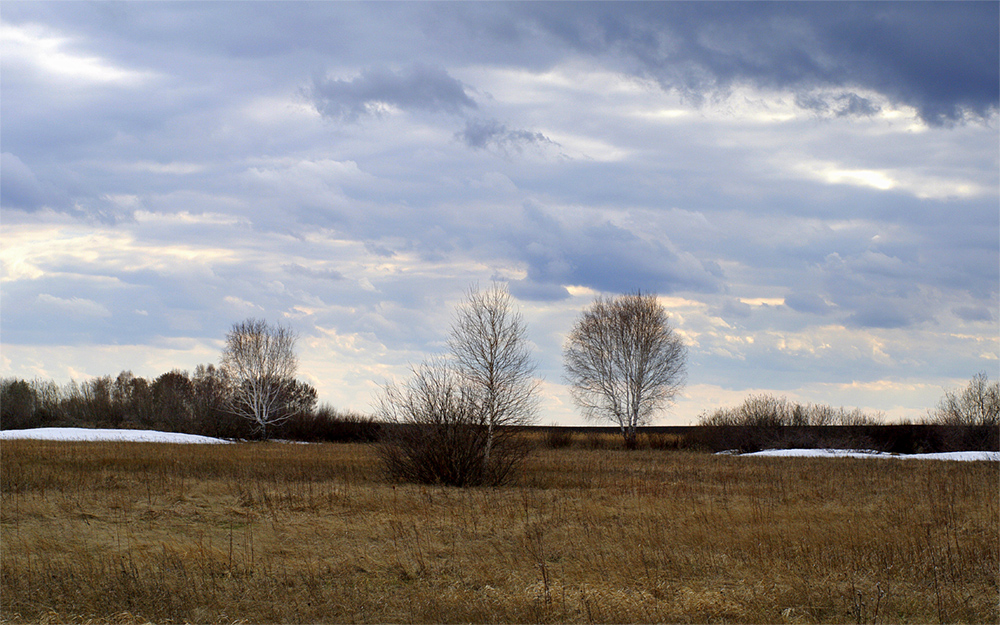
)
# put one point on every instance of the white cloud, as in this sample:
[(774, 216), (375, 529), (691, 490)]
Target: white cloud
[(186, 219), (75, 306), (35, 45), (921, 186), (152, 167), (72, 249)]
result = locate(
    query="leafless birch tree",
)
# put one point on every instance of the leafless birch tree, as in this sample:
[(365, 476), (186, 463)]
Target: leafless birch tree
[(492, 354), (624, 362), (260, 363)]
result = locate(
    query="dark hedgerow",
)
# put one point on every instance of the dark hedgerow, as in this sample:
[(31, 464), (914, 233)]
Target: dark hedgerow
[(326, 424)]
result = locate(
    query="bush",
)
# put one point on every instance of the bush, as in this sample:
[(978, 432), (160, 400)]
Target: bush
[(657, 440), (558, 438), (768, 411), (439, 434), (977, 438)]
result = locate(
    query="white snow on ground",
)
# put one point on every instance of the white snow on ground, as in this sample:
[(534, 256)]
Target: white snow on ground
[(993, 456), (151, 436), (84, 434)]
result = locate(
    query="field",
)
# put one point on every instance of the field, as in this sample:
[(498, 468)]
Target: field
[(252, 533)]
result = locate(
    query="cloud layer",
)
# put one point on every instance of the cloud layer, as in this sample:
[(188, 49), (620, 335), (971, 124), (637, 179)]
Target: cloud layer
[(810, 187), (417, 87)]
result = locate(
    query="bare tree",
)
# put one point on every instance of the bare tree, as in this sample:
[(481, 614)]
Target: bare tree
[(767, 411), (624, 362), (18, 405), (212, 404), (977, 404), (260, 363), (492, 354)]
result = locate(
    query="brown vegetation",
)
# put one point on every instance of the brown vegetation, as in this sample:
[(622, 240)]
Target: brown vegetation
[(270, 532)]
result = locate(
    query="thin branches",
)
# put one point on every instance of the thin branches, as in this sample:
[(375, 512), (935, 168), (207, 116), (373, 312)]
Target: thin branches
[(624, 362), (491, 353), (260, 362)]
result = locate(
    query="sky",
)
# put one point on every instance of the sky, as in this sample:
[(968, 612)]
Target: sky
[(811, 189)]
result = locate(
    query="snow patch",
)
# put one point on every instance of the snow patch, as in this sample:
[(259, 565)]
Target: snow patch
[(963, 456), (152, 436), (85, 434)]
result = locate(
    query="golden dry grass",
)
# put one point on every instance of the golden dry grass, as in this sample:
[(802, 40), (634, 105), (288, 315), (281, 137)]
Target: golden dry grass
[(261, 533)]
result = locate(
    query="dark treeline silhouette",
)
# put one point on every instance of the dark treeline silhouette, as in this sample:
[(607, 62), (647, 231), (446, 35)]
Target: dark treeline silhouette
[(898, 438), (965, 420), (199, 403), (176, 401)]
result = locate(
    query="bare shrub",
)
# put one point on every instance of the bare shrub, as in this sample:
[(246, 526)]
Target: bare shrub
[(212, 403), (326, 424), (17, 405), (856, 417), (557, 438), (440, 434), (977, 404), (764, 421), (658, 440), (767, 411), (604, 440)]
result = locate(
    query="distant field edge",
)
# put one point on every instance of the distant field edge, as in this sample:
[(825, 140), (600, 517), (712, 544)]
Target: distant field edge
[(890, 438)]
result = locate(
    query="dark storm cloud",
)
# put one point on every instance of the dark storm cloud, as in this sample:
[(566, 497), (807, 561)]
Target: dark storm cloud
[(422, 87), (940, 57), (841, 105), (973, 313), (604, 257), (490, 133), (18, 186)]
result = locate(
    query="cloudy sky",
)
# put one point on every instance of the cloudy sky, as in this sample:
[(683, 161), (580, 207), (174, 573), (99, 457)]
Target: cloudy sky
[(811, 189)]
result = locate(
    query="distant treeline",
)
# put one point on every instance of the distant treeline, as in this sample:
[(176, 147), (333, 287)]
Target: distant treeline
[(198, 403), (965, 420), (899, 438)]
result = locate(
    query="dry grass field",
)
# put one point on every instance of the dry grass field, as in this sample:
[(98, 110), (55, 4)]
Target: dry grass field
[(269, 533)]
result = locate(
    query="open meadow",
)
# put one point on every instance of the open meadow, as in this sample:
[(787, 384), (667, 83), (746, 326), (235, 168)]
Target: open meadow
[(270, 532)]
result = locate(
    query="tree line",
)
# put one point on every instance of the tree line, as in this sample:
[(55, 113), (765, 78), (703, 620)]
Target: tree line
[(976, 405), (453, 416), (177, 401), (454, 419)]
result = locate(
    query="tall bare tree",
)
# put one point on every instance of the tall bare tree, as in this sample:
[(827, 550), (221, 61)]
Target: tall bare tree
[(492, 354), (260, 363), (624, 362), (977, 404)]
